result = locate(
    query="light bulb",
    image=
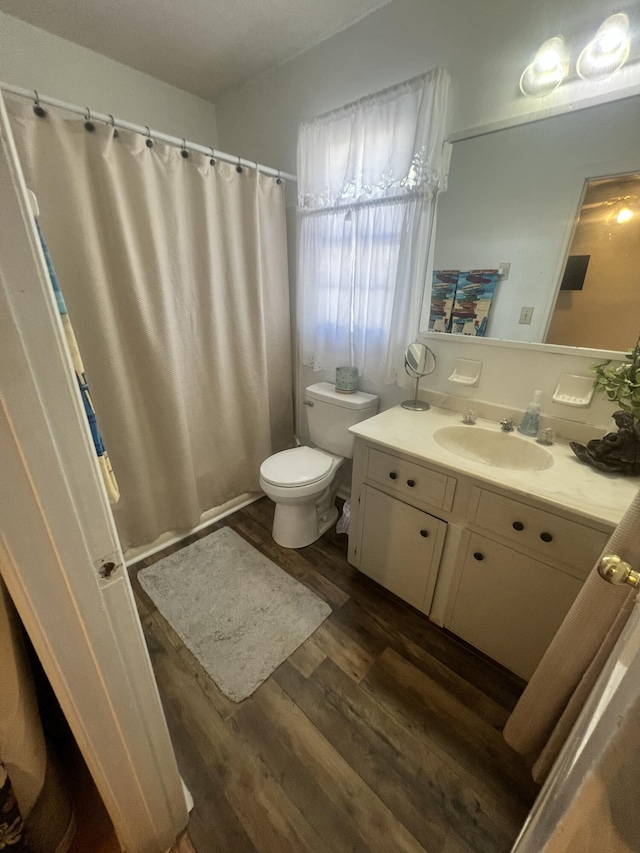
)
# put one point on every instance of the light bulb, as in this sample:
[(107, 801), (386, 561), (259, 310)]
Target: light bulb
[(624, 215), (608, 51), (547, 70)]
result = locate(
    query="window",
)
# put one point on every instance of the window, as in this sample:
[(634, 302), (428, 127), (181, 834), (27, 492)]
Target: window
[(368, 178)]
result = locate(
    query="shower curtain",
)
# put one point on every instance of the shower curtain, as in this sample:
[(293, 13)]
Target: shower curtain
[(175, 273)]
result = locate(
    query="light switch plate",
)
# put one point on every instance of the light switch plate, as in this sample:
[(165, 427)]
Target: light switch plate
[(525, 316)]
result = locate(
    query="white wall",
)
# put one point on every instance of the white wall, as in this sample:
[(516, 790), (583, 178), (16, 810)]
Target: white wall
[(34, 59), (509, 375), (485, 46)]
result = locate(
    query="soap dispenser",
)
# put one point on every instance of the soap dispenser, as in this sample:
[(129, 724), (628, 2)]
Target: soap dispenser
[(530, 423)]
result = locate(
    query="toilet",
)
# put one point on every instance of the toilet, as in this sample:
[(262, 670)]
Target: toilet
[(303, 482)]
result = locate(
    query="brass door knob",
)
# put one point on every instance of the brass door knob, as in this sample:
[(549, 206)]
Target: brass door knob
[(617, 571)]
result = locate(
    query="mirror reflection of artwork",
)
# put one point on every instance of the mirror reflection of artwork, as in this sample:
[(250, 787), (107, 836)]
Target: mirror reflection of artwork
[(474, 295), (606, 309), (443, 292)]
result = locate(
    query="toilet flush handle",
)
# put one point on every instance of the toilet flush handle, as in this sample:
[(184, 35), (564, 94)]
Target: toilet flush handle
[(308, 403)]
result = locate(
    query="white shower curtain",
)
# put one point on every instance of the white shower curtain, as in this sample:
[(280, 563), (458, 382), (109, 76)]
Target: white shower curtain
[(175, 273)]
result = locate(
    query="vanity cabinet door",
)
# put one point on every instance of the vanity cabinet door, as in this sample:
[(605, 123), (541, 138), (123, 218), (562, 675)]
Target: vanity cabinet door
[(401, 547), (509, 605)]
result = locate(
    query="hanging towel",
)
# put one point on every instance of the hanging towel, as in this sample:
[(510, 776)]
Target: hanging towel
[(108, 476)]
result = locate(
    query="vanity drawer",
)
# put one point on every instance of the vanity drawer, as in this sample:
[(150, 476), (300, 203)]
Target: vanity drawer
[(411, 480), (552, 537)]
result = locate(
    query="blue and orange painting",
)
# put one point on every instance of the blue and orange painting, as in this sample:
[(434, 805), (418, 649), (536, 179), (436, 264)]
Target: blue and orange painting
[(443, 294), (472, 303)]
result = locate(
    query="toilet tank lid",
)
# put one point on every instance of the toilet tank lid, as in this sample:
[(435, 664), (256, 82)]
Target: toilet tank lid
[(326, 392)]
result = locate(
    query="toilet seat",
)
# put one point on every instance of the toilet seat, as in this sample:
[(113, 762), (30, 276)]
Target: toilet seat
[(301, 466)]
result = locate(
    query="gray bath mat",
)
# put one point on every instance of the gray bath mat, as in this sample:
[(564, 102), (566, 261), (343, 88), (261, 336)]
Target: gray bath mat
[(239, 613)]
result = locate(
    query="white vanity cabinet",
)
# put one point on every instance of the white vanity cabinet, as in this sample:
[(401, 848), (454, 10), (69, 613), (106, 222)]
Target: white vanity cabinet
[(398, 522), (521, 568), (505, 568), (401, 546), (509, 605)]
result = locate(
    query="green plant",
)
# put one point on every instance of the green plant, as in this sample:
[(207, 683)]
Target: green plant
[(621, 382)]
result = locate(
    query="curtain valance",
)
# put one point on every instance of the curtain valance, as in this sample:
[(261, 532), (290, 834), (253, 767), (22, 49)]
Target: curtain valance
[(387, 145)]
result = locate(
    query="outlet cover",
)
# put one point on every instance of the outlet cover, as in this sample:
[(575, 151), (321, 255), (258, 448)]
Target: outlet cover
[(503, 271)]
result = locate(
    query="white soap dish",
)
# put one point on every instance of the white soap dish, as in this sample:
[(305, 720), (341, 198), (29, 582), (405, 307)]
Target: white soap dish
[(466, 372), (573, 390)]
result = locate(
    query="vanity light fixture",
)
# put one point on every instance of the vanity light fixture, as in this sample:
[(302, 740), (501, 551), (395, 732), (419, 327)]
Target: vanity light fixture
[(608, 51), (547, 70), (624, 215)]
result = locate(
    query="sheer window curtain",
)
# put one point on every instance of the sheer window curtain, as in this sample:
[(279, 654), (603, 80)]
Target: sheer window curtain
[(368, 178), (175, 274)]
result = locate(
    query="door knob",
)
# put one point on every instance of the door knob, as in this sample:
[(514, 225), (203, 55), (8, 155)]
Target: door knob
[(617, 571)]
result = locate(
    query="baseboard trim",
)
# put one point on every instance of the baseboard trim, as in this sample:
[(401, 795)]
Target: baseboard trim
[(135, 555)]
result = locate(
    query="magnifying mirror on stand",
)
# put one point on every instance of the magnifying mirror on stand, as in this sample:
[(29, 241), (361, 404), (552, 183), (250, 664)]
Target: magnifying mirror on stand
[(419, 361)]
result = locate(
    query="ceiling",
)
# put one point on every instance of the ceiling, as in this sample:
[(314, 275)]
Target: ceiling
[(201, 46)]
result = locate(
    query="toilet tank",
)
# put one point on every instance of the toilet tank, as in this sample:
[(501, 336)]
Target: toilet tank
[(330, 414)]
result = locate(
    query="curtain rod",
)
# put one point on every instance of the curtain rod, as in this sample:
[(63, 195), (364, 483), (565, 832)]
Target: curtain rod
[(176, 141)]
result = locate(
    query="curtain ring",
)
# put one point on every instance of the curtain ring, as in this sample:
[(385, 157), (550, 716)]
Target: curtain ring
[(184, 153), (278, 179), (38, 110), (113, 125), (239, 167), (88, 124), (212, 162), (149, 140)]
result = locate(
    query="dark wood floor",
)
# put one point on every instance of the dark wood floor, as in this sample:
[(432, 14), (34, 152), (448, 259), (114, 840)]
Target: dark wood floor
[(380, 733)]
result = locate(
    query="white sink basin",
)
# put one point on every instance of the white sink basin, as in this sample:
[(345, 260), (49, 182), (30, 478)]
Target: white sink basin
[(494, 447)]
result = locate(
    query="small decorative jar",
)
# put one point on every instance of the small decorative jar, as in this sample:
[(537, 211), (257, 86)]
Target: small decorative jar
[(346, 380)]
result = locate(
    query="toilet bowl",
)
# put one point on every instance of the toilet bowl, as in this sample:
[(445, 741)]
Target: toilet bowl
[(303, 482)]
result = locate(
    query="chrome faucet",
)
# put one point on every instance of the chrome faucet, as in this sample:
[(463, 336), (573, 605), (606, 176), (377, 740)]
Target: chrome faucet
[(507, 425)]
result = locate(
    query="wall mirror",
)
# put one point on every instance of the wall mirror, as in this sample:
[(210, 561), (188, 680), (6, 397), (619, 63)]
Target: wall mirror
[(514, 197)]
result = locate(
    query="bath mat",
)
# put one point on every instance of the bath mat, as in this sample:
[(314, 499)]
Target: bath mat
[(234, 609)]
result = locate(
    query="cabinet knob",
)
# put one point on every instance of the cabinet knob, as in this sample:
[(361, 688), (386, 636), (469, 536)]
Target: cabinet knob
[(478, 556), (424, 533), (546, 537), (518, 525), (392, 475), (411, 483)]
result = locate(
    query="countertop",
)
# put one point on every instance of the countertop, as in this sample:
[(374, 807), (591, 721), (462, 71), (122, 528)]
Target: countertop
[(568, 483)]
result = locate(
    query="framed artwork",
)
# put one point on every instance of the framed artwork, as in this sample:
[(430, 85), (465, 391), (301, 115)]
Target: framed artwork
[(472, 303), (443, 294)]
